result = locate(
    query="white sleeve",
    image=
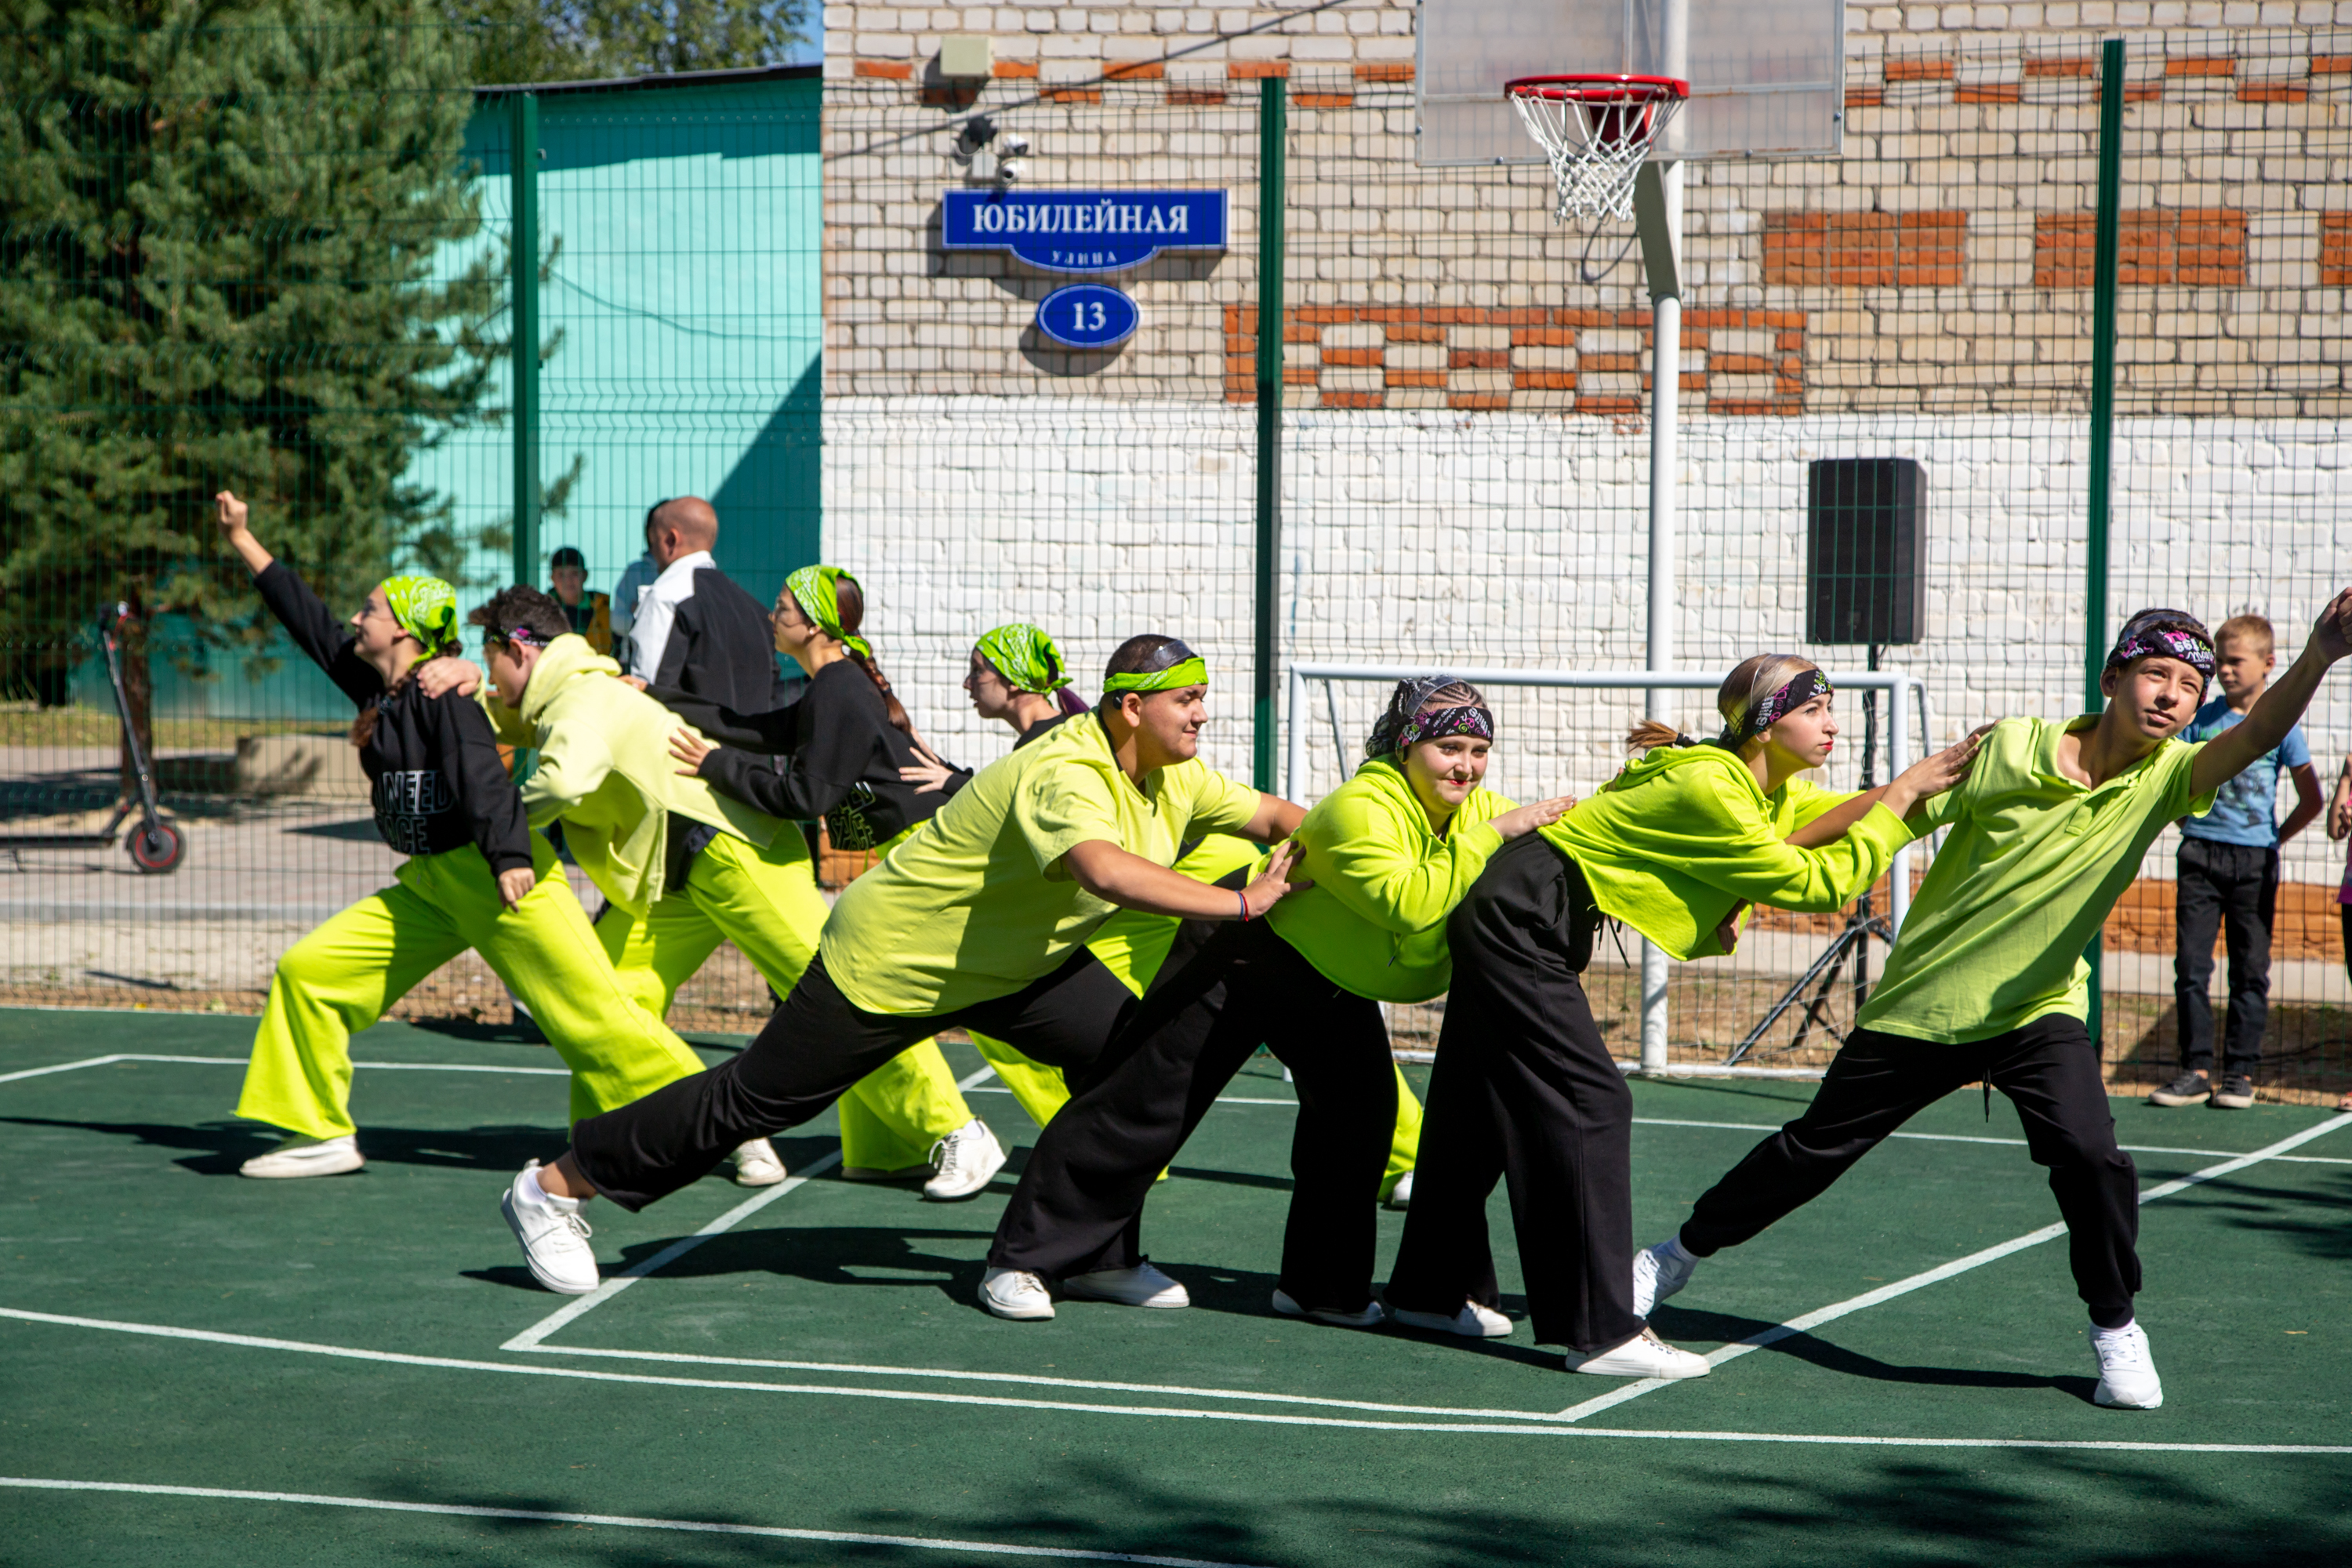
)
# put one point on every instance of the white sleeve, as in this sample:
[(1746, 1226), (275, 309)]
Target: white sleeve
[(649, 633)]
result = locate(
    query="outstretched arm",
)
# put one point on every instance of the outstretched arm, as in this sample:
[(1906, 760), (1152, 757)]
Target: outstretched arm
[(2276, 711), (1117, 877)]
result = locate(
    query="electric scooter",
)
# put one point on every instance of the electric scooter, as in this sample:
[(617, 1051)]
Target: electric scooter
[(155, 846)]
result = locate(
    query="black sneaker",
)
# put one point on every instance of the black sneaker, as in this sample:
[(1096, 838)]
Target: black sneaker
[(2236, 1092), (2188, 1089)]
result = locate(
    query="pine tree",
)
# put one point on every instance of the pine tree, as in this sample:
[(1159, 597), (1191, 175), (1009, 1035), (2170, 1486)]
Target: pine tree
[(581, 40), (225, 243)]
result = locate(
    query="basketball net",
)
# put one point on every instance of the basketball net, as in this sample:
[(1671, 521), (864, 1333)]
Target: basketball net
[(1595, 131)]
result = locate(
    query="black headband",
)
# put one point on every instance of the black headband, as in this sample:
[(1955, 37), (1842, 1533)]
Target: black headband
[(1775, 708)]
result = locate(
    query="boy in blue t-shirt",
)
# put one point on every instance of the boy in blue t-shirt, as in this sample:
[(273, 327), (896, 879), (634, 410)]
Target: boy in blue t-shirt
[(2229, 870)]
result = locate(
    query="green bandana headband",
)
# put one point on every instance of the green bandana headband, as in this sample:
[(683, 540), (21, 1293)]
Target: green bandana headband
[(816, 590), (1026, 657), (1190, 669), (426, 609)]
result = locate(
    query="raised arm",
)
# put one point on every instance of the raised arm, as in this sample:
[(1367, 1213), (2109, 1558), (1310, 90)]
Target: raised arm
[(2276, 710), (313, 626)]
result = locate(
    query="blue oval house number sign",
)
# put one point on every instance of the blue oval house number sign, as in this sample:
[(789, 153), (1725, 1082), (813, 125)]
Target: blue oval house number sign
[(1087, 316)]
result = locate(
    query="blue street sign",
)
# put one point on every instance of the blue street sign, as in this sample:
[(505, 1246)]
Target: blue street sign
[(1087, 316), (1082, 231)]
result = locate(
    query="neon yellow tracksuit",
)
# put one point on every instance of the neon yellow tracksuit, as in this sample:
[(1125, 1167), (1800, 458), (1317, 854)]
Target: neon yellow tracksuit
[(342, 976), (604, 768), (1133, 946)]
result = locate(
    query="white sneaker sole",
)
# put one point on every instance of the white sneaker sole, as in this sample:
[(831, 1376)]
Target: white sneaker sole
[(1371, 1315), (2106, 1399), (1032, 1312), (1167, 1298), (294, 1167), (561, 1287), (1483, 1326)]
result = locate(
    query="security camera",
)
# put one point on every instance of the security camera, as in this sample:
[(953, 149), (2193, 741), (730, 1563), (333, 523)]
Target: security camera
[(977, 132), (1012, 144), (1010, 169)]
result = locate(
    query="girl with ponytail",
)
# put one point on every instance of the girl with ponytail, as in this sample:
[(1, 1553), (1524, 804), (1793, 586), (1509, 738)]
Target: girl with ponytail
[(1524, 1090), (854, 762)]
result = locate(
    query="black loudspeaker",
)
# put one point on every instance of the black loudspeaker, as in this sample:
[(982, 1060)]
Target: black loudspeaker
[(1865, 551)]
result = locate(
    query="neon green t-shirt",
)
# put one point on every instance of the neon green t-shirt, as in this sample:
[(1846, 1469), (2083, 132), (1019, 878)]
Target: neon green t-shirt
[(979, 902), (1684, 833), (1374, 920), (2035, 862)]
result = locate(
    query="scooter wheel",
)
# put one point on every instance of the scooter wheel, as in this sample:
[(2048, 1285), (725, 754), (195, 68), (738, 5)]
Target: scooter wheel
[(156, 847)]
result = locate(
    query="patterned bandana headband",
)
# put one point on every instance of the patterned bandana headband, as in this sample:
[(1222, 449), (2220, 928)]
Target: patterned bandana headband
[(521, 637), (1026, 657), (1436, 723), (2152, 642), (1179, 667), (1775, 708), (425, 608), (817, 591)]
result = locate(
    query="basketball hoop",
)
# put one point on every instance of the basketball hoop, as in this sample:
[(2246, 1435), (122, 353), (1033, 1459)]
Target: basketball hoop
[(1595, 130)]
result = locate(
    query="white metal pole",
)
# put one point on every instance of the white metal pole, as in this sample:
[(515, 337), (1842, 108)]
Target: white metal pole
[(1898, 757), (1294, 768), (1666, 386)]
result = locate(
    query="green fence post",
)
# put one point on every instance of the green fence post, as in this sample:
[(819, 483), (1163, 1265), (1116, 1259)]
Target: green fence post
[(523, 242), (1273, 116), (2103, 258)]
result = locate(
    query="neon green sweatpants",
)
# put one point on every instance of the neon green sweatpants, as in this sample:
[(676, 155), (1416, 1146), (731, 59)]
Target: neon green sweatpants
[(765, 901), (342, 976), (1133, 946)]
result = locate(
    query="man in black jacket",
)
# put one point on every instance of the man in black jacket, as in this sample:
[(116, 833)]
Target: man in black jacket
[(698, 632)]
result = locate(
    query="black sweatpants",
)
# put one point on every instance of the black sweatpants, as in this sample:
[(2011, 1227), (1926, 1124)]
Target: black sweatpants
[(1525, 1091), (2233, 887), (2049, 1069), (1087, 1177), (814, 1046)]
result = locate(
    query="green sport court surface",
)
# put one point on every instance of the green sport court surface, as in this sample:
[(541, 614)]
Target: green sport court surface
[(195, 1368)]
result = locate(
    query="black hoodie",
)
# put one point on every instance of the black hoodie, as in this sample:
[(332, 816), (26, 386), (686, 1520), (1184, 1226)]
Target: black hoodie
[(846, 756), (432, 765)]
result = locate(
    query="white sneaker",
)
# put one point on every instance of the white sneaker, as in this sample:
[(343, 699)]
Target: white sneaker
[(1401, 1195), (1142, 1286), (1368, 1315), (967, 1160), (1015, 1294), (1658, 1272), (756, 1164), (2127, 1379), (554, 1240), (1472, 1322), (297, 1155), (1643, 1355)]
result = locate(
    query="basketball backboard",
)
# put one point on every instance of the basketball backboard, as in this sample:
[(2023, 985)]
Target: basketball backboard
[(1767, 77)]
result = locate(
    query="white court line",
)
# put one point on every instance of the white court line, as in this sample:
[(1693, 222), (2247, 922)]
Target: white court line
[(1836, 1309), (529, 1338), (527, 1369), (465, 1510), (240, 1061), (1968, 1138)]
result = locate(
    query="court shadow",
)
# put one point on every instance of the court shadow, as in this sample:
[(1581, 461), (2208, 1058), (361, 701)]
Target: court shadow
[(1232, 1178), (2269, 1209), (1681, 1325), (217, 1149), (891, 1257)]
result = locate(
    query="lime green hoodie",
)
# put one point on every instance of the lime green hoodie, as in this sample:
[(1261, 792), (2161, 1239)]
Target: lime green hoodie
[(606, 768), (1374, 920), (1683, 834)]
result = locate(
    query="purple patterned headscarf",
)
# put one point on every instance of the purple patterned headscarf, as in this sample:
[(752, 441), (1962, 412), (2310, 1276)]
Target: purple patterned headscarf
[(1403, 723), (2162, 634), (1775, 708)]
